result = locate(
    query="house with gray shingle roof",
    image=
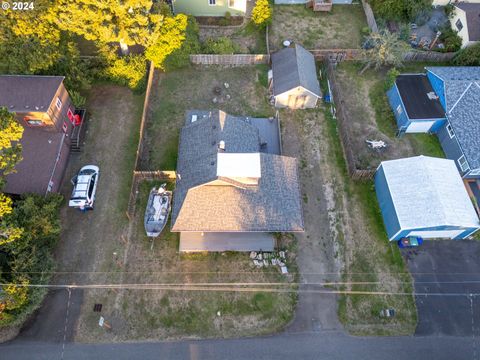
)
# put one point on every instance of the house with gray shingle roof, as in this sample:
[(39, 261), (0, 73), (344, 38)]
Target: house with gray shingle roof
[(233, 185), (294, 81), (447, 102)]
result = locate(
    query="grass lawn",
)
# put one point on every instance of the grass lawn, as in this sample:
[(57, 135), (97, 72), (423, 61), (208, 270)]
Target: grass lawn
[(368, 110), (192, 88), (339, 29)]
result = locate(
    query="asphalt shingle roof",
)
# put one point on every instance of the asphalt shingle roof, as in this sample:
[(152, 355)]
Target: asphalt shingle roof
[(462, 96), (24, 93), (472, 12), (293, 67), (272, 205)]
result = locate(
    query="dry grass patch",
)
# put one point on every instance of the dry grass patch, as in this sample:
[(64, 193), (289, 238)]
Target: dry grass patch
[(370, 117), (339, 29), (170, 314)]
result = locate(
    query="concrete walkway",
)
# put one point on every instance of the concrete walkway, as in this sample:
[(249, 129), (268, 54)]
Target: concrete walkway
[(196, 241)]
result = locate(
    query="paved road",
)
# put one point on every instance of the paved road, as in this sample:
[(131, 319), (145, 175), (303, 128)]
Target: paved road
[(447, 267), (324, 346)]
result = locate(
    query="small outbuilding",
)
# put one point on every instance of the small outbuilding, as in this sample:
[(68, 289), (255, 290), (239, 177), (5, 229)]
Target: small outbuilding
[(294, 81), (424, 196)]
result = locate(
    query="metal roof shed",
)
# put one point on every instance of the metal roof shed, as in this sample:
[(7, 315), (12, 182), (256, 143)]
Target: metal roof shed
[(424, 196)]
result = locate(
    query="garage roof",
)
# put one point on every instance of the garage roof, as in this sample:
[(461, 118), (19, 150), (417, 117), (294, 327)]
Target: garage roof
[(428, 192)]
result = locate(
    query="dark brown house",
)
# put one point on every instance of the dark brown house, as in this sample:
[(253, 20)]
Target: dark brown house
[(43, 107)]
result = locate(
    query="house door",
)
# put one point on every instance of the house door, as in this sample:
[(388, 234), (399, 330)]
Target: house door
[(300, 102)]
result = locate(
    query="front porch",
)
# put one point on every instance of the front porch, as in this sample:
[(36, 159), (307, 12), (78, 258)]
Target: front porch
[(225, 241)]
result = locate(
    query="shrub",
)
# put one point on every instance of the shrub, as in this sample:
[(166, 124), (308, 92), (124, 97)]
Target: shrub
[(191, 45), (390, 79), (262, 13), (128, 70), (77, 99), (222, 45), (469, 56), (450, 39)]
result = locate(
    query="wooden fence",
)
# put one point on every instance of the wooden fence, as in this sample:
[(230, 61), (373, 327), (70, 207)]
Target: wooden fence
[(372, 23), (343, 130), (138, 177), (428, 56), (337, 55), (233, 60)]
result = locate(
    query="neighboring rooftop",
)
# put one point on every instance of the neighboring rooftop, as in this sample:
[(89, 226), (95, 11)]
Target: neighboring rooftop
[(472, 11), (414, 91), (44, 156), (428, 192), (462, 97), (25, 93), (293, 67), (256, 191)]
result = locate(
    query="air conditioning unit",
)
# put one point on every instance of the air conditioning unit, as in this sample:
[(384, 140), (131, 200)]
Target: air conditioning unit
[(432, 96)]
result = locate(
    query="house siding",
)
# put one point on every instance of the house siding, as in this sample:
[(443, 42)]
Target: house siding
[(293, 99), (439, 88), (450, 146), (385, 201), (202, 7), (395, 100)]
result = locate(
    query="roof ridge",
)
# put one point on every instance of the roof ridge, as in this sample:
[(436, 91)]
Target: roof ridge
[(461, 96), (434, 186)]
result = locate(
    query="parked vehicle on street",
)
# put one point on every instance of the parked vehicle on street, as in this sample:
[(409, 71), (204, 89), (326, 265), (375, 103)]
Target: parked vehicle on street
[(84, 188)]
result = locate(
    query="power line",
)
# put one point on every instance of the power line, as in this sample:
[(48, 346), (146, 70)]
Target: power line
[(229, 288)]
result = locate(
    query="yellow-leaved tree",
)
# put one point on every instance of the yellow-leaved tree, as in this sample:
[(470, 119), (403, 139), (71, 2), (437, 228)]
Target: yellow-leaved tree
[(10, 154), (262, 13)]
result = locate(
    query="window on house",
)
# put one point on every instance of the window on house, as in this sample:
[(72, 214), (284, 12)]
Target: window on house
[(450, 131), (212, 2), (65, 127), (474, 172), (399, 109), (459, 25), (58, 103), (231, 3), (463, 163)]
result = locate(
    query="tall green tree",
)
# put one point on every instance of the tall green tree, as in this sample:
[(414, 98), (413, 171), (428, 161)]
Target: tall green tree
[(28, 39), (399, 9), (386, 49), (129, 22)]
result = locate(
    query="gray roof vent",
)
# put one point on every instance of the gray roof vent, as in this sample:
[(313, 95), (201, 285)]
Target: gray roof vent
[(221, 145)]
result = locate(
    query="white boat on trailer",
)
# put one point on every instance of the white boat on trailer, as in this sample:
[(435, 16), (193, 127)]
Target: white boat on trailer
[(158, 208)]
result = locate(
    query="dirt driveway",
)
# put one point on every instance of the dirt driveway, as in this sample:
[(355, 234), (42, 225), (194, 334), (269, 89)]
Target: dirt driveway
[(319, 257), (114, 113)]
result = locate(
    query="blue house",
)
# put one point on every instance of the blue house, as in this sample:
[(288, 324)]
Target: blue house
[(424, 196), (444, 101)]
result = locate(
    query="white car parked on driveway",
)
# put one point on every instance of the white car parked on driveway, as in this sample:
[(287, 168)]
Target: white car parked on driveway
[(84, 188)]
